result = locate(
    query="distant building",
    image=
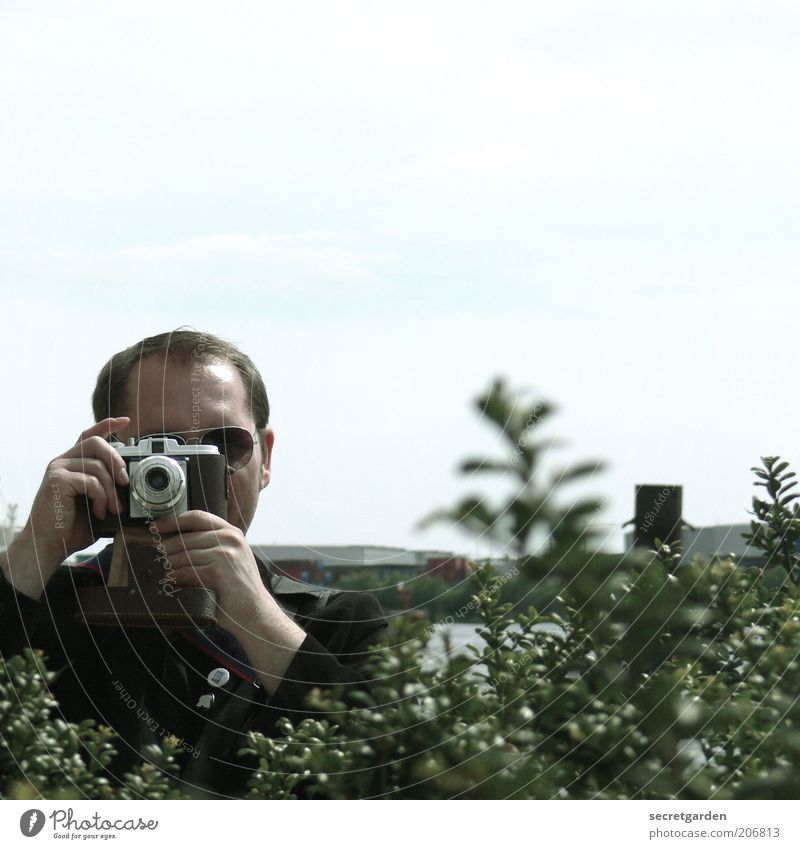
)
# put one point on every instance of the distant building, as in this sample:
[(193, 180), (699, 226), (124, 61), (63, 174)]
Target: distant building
[(717, 540), (325, 564), (721, 540)]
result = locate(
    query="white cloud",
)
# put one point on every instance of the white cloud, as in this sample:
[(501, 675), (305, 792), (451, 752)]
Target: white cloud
[(278, 262), (488, 159), (301, 262)]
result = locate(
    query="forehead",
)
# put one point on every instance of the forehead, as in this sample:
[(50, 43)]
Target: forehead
[(184, 394)]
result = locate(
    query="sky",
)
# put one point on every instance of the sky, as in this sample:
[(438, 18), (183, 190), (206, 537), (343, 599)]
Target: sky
[(387, 205)]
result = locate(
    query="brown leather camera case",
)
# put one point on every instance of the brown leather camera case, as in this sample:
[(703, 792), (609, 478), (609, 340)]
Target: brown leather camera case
[(138, 593)]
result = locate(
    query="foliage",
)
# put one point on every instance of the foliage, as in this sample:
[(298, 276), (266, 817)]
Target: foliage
[(367, 581), (42, 756), (531, 514), (8, 529), (776, 528), (426, 594), (685, 688), (436, 598), (648, 679), (651, 681)]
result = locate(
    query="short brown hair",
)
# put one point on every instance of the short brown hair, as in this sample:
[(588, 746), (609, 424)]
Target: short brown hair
[(182, 343)]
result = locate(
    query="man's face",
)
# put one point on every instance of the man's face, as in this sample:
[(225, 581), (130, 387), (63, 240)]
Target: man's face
[(164, 397)]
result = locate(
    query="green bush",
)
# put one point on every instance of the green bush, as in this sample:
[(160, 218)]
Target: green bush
[(42, 756), (649, 679)]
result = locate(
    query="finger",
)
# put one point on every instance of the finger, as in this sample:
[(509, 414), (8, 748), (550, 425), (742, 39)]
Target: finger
[(192, 520), (189, 560), (192, 541), (96, 468), (190, 576), (88, 485), (96, 446), (105, 427)]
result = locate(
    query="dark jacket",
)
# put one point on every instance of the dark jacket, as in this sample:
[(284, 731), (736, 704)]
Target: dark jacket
[(149, 683)]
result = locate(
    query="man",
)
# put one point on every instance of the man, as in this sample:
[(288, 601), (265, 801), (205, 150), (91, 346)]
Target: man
[(276, 639)]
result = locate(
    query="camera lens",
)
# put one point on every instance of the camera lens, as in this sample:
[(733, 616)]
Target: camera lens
[(157, 480), (158, 485)]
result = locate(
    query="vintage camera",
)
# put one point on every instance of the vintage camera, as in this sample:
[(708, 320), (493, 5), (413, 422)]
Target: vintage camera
[(166, 478)]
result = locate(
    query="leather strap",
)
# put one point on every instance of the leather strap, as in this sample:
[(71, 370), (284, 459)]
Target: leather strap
[(153, 608)]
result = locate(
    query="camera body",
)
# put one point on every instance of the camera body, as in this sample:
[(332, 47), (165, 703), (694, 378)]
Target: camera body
[(167, 478)]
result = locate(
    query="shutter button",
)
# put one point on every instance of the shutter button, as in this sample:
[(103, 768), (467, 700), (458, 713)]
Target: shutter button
[(218, 677)]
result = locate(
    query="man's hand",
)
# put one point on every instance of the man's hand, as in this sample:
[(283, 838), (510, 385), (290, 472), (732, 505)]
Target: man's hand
[(58, 524), (203, 550)]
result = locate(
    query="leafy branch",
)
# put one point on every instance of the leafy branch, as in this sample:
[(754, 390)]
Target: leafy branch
[(776, 529)]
